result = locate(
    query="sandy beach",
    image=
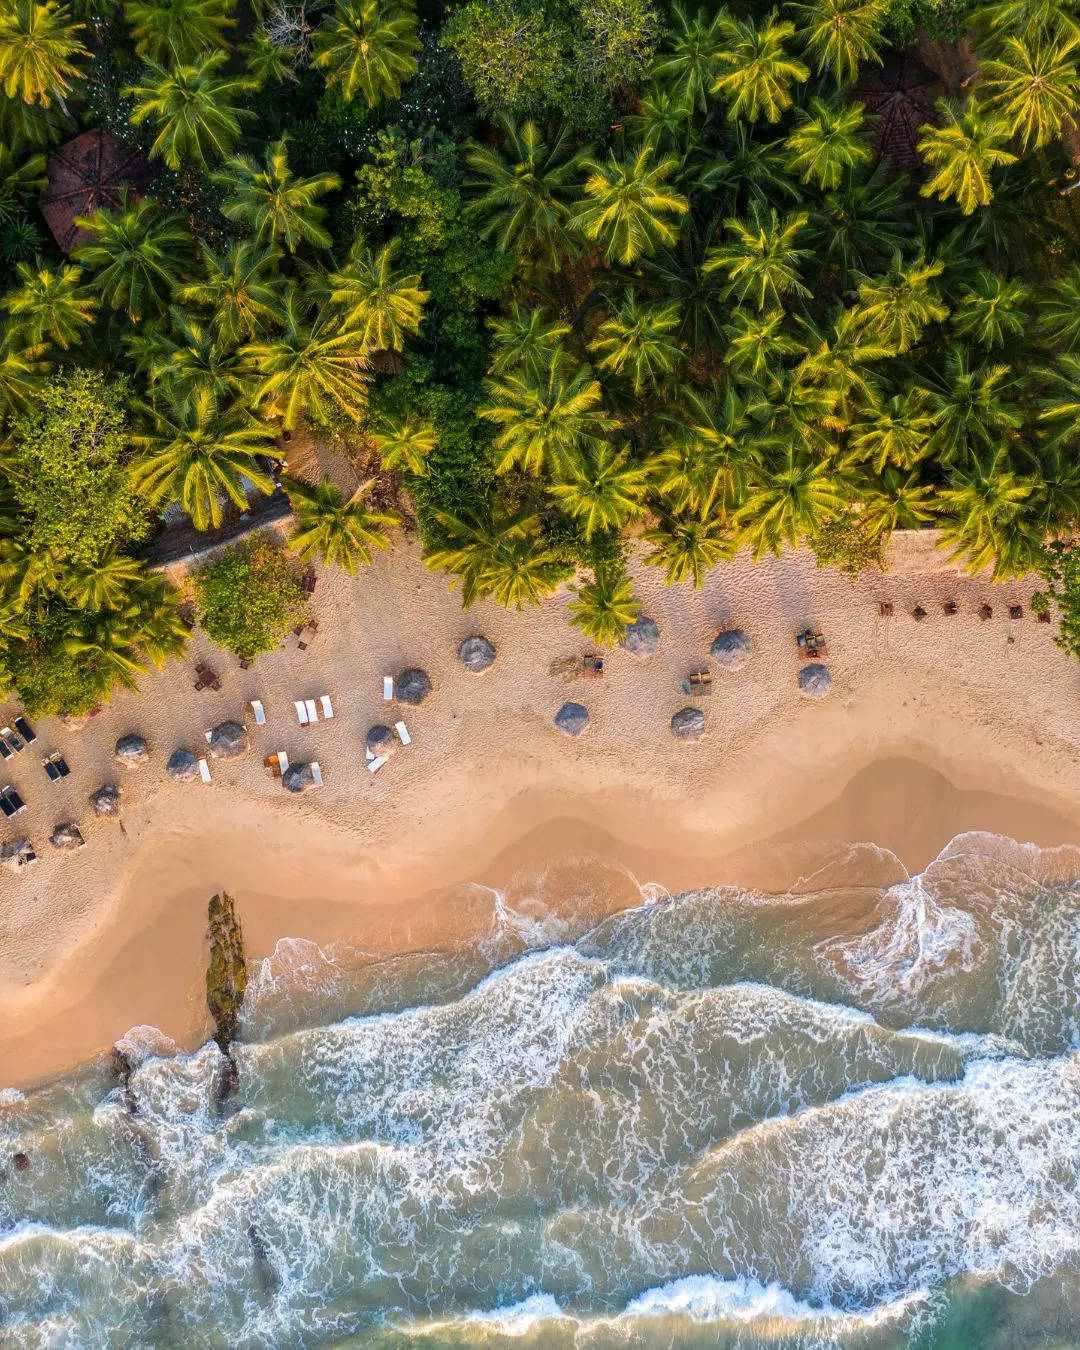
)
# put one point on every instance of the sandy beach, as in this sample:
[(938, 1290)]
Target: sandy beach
[(931, 729)]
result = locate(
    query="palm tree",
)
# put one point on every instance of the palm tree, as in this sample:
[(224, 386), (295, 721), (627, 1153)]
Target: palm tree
[(187, 356), (663, 121), (835, 364), (861, 222), (965, 149), (242, 290), (529, 338), (709, 455), (368, 47), (524, 189), (897, 307), (113, 638), (1035, 87), (747, 173), (627, 206), (842, 35), (1039, 20), (273, 203), (974, 407), (498, 558), (1059, 404), (543, 420), (50, 305), (138, 254), (405, 443), (891, 502), (342, 532), (601, 489), (636, 341), (106, 584), (38, 47), (313, 367), (605, 607), (21, 372), (689, 63), (756, 74), (983, 516), (196, 452), (162, 634), (175, 32), (896, 431), (992, 310), (760, 260), (193, 108), (758, 343), (1058, 311), (380, 303), (793, 497), (687, 546), (825, 145)]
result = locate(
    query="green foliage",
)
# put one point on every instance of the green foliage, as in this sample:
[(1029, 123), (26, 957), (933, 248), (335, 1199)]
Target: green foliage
[(1060, 569), (850, 544), (250, 598)]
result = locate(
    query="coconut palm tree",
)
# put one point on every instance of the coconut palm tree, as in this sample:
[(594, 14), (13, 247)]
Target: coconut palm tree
[(842, 35), (341, 531), (197, 452), (241, 290), (965, 149), (602, 489), (984, 517), (524, 189), (1059, 403), (405, 443), (898, 306), (896, 431), (382, 304), (1035, 86), (760, 260), (314, 368), (825, 144), (543, 420), (498, 558), (187, 356), (637, 342), (628, 206), (675, 275), (529, 338), (107, 584), (1037, 20), (39, 47), (756, 75), (992, 310), (606, 606), (50, 305), (273, 203), (688, 63), (663, 121), (746, 174), (21, 179), (193, 107), (21, 373), (708, 457), (138, 255), (860, 223), (1058, 312), (836, 364), (687, 546), (758, 343), (974, 407), (175, 32), (794, 495), (368, 47), (113, 638), (163, 635), (892, 501)]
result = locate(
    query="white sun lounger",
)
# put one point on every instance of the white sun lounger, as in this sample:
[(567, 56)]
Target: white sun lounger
[(388, 687), (204, 770), (301, 712), (327, 706), (403, 733), (209, 736), (259, 711), (312, 711), (283, 760), (376, 764), (316, 774)]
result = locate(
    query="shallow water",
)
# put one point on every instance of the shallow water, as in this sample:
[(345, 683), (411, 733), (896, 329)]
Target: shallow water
[(844, 1117)]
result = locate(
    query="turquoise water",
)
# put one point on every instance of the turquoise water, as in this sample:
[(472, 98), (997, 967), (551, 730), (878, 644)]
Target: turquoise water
[(845, 1118)]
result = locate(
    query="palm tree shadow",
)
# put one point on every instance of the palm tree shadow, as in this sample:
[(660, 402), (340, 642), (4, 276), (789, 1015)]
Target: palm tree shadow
[(791, 588)]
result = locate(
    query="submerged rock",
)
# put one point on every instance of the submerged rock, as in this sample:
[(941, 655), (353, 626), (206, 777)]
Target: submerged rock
[(226, 971), (182, 766), (106, 800), (66, 835), (229, 740), (298, 778), (131, 751), (476, 654), (642, 637), (731, 649), (572, 719), (815, 681), (382, 741), (688, 724), (412, 686)]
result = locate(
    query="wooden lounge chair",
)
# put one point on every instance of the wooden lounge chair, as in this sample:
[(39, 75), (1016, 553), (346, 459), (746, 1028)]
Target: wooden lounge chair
[(258, 712), (307, 581), (403, 733), (986, 612), (52, 773), (918, 613), (204, 770), (950, 607), (6, 806), (699, 684), (272, 765), (5, 749), (885, 609), (301, 712), (327, 706), (1016, 611)]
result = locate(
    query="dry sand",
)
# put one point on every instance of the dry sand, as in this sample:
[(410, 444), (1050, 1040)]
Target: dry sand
[(931, 729)]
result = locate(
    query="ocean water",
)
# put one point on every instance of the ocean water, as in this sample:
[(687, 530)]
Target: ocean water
[(844, 1117)]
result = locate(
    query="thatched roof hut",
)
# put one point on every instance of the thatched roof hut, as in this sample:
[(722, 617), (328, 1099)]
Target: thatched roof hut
[(900, 94), (85, 175)]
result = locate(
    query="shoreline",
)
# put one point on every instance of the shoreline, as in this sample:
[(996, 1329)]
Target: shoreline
[(931, 730)]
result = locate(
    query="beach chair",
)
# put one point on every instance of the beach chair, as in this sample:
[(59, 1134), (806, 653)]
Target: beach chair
[(699, 684), (15, 800), (918, 613), (258, 712), (52, 770), (1044, 616), (311, 710), (25, 730), (950, 607), (307, 581), (316, 773), (376, 764), (403, 733), (283, 761), (885, 609), (327, 706), (204, 770), (62, 765), (245, 664), (206, 678), (986, 612), (1016, 611), (13, 741), (301, 712), (592, 667), (5, 749), (6, 806), (388, 688)]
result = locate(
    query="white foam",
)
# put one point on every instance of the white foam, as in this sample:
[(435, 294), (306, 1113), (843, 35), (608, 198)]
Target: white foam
[(708, 1298)]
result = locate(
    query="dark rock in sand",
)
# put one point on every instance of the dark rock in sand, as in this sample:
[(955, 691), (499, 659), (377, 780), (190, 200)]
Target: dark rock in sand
[(21, 1161), (642, 637), (182, 766), (298, 778), (17, 855), (106, 800), (476, 654), (412, 686), (731, 649), (132, 750), (572, 719), (688, 724), (228, 740), (226, 971), (815, 681), (66, 835), (382, 741)]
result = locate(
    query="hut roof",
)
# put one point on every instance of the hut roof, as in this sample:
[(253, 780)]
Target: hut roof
[(900, 94), (86, 174)]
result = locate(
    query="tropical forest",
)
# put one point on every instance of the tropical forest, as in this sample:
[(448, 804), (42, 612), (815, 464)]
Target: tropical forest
[(561, 278)]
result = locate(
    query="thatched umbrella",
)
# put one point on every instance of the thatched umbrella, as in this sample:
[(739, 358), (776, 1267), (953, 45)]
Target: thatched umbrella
[(381, 742), (66, 835), (688, 724), (642, 637), (86, 174), (228, 740), (476, 654), (900, 93), (731, 649), (17, 855), (815, 680), (131, 751), (412, 686), (183, 767), (572, 719), (106, 800)]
